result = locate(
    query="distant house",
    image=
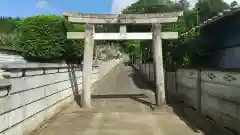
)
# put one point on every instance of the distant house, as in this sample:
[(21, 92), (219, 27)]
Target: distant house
[(222, 33)]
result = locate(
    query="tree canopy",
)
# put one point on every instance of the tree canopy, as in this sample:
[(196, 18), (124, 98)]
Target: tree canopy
[(35, 32), (41, 38), (193, 16), (233, 4)]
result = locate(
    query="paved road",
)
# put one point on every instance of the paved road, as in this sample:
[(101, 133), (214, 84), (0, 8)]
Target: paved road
[(119, 108)]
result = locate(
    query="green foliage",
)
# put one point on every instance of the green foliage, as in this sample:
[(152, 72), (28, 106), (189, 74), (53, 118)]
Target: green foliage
[(151, 6), (184, 4), (73, 49), (8, 24), (233, 4), (189, 45), (209, 8), (42, 37), (73, 27), (8, 30), (133, 47)]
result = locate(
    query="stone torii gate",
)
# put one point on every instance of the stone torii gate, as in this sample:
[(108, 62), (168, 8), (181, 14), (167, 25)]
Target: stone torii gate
[(123, 19)]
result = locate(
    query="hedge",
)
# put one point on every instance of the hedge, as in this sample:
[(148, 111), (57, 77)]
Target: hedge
[(43, 38)]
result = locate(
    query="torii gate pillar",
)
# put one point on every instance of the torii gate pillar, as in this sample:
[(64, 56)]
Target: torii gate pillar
[(87, 65), (158, 62)]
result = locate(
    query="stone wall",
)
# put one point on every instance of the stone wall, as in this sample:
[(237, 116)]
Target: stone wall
[(5, 57), (147, 69), (215, 95), (35, 92), (218, 95)]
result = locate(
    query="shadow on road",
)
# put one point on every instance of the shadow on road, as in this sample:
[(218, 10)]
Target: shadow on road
[(127, 63), (179, 111), (139, 81), (119, 96), (147, 103), (136, 97), (198, 122), (74, 84)]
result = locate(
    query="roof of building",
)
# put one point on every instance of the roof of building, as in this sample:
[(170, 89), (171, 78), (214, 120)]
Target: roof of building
[(221, 15)]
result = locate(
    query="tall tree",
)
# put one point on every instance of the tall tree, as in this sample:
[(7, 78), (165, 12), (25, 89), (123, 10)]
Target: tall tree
[(209, 8), (8, 24), (8, 30), (184, 4), (233, 4)]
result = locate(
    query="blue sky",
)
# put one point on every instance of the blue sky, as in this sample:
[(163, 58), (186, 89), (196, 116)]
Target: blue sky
[(25, 8)]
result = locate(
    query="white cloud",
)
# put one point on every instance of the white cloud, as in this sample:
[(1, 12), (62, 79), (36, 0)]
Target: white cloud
[(42, 4), (119, 5)]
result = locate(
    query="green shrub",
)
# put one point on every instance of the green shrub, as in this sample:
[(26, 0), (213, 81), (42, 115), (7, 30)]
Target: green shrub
[(133, 47), (73, 51), (42, 37), (74, 48)]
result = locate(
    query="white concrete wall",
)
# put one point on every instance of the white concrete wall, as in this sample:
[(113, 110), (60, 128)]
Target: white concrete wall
[(39, 94), (220, 95), (147, 69), (4, 57), (187, 86)]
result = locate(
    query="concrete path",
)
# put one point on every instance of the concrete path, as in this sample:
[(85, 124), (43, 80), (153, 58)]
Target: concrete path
[(122, 105)]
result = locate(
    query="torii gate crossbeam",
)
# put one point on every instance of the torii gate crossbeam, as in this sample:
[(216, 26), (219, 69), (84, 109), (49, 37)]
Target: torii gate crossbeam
[(119, 36), (89, 36)]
